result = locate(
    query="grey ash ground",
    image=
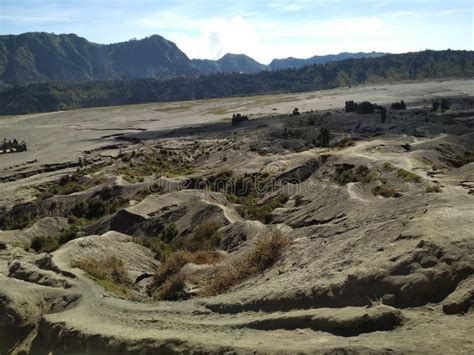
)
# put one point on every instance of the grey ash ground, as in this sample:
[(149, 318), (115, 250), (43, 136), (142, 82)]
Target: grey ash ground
[(170, 238)]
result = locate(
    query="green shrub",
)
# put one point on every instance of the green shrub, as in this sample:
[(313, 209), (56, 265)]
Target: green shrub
[(360, 174), (262, 212), (68, 235), (109, 272), (156, 245), (344, 143), (408, 176), (389, 167), (169, 233), (48, 244), (44, 244), (96, 209), (204, 237), (384, 191), (79, 209), (433, 188)]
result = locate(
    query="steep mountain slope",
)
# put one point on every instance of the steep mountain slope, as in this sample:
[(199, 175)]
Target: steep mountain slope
[(229, 63), (298, 62), (33, 57)]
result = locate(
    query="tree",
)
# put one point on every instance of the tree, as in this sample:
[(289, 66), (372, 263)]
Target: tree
[(444, 104), (399, 105), (237, 118), (350, 106), (96, 209), (169, 233), (366, 107), (383, 114), (324, 137)]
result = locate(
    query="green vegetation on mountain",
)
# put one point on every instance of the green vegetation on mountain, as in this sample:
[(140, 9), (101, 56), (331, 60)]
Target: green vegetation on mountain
[(42, 57), (390, 68), (291, 62), (229, 63)]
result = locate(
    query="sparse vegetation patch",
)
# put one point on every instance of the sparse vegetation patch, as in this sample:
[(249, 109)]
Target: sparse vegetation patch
[(109, 272), (408, 176), (361, 173), (264, 254), (166, 283), (385, 191)]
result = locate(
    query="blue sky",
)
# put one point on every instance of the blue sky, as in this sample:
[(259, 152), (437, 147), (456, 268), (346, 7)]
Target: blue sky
[(261, 29)]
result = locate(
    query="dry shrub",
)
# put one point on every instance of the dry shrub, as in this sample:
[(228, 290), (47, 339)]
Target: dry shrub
[(205, 237), (263, 255), (110, 268), (172, 289), (165, 276)]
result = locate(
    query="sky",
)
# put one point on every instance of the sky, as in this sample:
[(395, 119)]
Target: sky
[(261, 29)]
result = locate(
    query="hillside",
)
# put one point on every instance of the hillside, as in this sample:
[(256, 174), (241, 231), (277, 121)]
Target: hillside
[(229, 63), (40, 57), (391, 68), (43, 57), (291, 62)]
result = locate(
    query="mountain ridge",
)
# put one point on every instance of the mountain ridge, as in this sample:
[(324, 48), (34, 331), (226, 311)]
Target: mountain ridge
[(40, 57), (45, 97), (292, 62), (34, 57)]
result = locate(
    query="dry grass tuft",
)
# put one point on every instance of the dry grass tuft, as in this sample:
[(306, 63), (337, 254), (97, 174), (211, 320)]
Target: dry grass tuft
[(172, 289), (110, 273), (263, 255), (165, 279), (408, 176), (433, 188)]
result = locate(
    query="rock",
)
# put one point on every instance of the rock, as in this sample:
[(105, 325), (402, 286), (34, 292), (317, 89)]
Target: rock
[(186, 209), (462, 299), (31, 273), (22, 305), (46, 262), (349, 321), (136, 258)]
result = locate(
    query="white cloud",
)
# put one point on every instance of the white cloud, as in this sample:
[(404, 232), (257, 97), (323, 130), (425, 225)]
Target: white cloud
[(218, 37), (264, 38), (268, 40)]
